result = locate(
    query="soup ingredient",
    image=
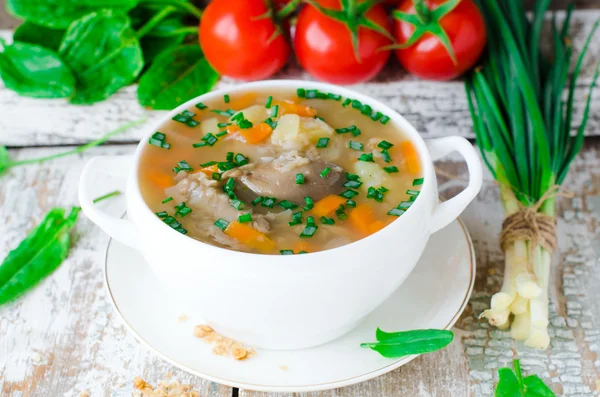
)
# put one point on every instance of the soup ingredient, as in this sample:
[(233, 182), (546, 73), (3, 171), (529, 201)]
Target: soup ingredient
[(257, 133), (58, 14), (6, 163), (410, 157), (341, 41), (42, 252), (523, 128), (439, 39), (278, 178), (103, 51), (241, 40), (34, 71), (249, 236), (405, 343), (175, 77), (39, 35), (513, 384)]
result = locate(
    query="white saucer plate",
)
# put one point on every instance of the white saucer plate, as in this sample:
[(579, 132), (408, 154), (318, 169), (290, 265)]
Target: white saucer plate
[(433, 296)]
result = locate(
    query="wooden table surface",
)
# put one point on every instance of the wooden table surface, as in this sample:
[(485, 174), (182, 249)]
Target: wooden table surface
[(63, 338)]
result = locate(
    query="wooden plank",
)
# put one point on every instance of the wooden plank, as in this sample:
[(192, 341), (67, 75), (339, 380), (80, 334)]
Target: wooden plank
[(63, 337), (436, 109), (572, 362)]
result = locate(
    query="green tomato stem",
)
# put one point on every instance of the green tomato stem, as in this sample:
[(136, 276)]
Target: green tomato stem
[(422, 11), (155, 20)]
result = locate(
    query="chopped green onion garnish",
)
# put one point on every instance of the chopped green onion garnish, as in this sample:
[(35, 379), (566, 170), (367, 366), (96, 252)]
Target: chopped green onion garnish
[(299, 179), (222, 125), (240, 159), (412, 198), (356, 132), (239, 116), (167, 200), (226, 165), (296, 218), (353, 184), (324, 173), (226, 98), (384, 145), (349, 193), (309, 231), (257, 200), (286, 252), (367, 157), (272, 124), (345, 129), (302, 252), (225, 113), (269, 101), (158, 139), (310, 220), (322, 143), (229, 185), (311, 94), (275, 111), (199, 144), (192, 123), (386, 156), (182, 166), (180, 118), (376, 193), (341, 215), (396, 212), (376, 116), (245, 124), (352, 177), (327, 221), (384, 120), (210, 139), (404, 205), (351, 203), (288, 205), (301, 93), (229, 156), (268, 202), (221, 224), (182, 209), (309, 203), (347, 102), (418, 181), (355, 145), (321, 95), (200, 106), (188, 114), (366, 110), (245, 218), (356, 104), (216, 176), (390, 169), (237, 204), (384, 189), (413, 192), (208, 164), (220, 134), (162, 214), (335, 97)]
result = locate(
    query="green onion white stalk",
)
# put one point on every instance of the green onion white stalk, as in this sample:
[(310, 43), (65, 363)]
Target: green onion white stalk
[(522, 121)]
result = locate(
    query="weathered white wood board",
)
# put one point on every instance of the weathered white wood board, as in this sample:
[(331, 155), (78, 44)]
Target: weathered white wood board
[(436, 109), (63, 337)]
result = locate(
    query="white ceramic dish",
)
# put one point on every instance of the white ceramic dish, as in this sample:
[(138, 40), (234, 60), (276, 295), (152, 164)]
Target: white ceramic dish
[(437, 292), (294, 301)]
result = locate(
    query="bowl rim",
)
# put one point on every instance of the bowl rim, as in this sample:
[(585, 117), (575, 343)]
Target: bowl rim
[(429, 185)]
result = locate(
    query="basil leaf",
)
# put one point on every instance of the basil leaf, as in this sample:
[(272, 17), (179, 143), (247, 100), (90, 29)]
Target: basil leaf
[(176, 77), (38, 255), (535, 387), (35, 34), (104, 52), (400, 344), (59, 14), (508, 385), (34, 71), (153, 46)]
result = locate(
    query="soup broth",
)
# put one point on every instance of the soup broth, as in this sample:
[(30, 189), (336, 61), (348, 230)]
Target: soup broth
[(279, 171)]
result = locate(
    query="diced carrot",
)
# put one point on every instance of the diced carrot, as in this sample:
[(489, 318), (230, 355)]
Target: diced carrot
[(208, 170), (257, 133), (294, 108), (247, 235), (376, 226), (410, 156), (160, 179), (327, 205), (246, 100), (231, 129), (303, 246), (362, 218)]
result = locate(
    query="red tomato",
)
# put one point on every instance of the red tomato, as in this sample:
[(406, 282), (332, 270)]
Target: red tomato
[(239, 45), (324, 47), (428, 58)]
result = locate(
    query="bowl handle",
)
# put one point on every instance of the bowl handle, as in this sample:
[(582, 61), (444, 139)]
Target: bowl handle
[(449, 210), (117, 167)]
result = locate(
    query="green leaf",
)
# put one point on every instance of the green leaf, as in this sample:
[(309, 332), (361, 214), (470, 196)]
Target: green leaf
[(34, 71), (535, 387), (176, 77), (169, 26), (400, 344), (512, 384), (105, 54), (39, 35), (37, 256), (154, 46), (508, 385), (59, 14)]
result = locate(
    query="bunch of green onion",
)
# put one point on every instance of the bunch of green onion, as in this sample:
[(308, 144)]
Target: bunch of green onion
[(521, 103)]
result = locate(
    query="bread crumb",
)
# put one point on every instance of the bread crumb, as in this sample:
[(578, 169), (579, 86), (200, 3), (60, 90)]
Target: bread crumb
[(84, 393), (182, 318), (165, 388), (283, 367), (223, 346)]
